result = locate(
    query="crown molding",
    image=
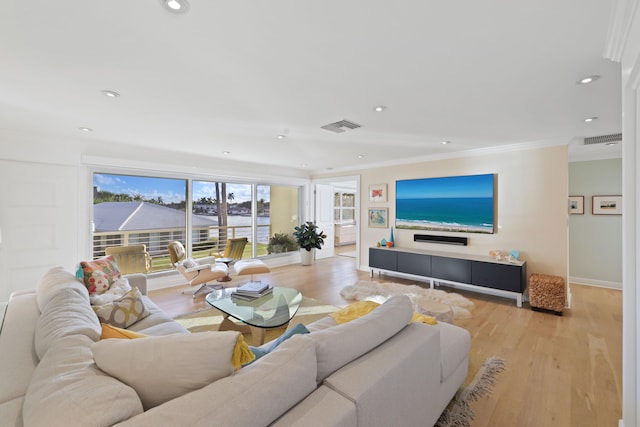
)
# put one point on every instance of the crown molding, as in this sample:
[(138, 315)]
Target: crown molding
[(619, 27)]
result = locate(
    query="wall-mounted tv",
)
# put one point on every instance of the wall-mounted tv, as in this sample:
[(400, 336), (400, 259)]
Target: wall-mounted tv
[(455, 203)]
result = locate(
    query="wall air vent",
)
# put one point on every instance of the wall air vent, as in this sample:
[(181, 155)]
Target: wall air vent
[(603, 139), (341, 126)]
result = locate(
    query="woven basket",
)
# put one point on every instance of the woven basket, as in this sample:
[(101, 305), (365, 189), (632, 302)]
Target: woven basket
[(547, 292)]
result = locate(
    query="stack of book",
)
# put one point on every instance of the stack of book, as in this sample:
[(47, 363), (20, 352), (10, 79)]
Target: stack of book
[(252, 290)]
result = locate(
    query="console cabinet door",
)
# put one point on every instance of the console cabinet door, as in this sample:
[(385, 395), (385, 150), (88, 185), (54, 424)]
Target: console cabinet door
[(452, 269), (383, 259), (418, 264), (498, 276)]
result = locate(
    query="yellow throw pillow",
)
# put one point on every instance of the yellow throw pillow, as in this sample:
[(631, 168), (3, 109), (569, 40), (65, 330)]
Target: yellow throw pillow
[(123, 312), (109, 331), (360, 308)]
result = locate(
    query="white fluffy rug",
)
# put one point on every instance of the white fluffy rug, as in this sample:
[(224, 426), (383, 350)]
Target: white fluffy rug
[(379, 292)]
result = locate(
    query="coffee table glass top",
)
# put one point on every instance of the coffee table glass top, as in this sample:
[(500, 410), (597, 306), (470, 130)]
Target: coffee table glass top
[(270, 311)]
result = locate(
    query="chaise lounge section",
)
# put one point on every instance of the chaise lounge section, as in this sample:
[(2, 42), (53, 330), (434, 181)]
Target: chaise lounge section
[(377, 370)]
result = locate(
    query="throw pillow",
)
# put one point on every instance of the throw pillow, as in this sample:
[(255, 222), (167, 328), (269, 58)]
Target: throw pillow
[(161, 368), (100, 274), (123, 312), (360, 308), (339, 345), (259, 352), (109, 331)]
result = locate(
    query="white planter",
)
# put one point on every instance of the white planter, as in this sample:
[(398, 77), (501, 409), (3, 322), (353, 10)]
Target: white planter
[(307, 256)]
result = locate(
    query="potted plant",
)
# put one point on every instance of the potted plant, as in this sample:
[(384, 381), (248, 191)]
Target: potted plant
[(308, 238)]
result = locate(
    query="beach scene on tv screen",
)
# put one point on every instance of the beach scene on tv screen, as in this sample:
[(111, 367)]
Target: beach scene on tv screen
[(456, 203)]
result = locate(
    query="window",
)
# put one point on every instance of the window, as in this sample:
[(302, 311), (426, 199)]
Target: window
[(130, 210), (277, 206), (137, 210), (344, 208), (221, 211)]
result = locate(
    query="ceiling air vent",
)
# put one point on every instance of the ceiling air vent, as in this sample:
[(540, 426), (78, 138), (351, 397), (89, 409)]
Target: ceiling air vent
[(341, 126), (603, 139)]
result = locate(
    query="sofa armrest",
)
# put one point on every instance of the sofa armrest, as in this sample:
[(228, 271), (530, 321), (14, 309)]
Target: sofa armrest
[(404, 370), (138, 280)]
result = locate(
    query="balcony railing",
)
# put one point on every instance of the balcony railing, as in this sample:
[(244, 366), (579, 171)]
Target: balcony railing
[(205, 241)]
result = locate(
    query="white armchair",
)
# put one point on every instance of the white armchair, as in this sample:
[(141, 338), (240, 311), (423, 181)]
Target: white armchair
[(196, 273)]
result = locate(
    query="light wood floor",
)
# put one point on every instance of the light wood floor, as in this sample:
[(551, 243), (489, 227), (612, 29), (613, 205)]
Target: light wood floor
[(561, 370)]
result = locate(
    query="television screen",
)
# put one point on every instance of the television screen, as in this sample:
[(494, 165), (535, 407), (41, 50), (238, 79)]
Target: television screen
[(457, 203)]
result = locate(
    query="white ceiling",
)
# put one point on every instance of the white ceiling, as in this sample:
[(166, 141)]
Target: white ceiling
[(231, 75)]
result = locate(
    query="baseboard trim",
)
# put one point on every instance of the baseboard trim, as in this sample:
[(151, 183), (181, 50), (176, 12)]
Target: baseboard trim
[(597, 283)]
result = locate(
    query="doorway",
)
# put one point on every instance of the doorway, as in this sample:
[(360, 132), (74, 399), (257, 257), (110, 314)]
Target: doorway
[(337, 209)]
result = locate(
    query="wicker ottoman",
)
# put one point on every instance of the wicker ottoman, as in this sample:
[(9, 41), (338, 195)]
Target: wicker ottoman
[(547, 293)]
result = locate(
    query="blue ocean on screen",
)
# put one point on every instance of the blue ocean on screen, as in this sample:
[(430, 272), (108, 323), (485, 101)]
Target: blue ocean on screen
[(470, 214)]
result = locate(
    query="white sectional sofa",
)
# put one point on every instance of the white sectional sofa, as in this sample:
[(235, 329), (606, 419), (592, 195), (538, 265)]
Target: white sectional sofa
[(378, 370)]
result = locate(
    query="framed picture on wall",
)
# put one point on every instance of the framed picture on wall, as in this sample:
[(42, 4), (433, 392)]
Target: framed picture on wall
[(378, 217), (576, 205), (606, 205), (378, 193)]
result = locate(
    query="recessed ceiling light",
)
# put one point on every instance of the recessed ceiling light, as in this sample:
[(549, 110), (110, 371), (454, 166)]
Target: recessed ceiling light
[(611, 143), (226, 153), (176, 6), (304, 165), (281, 136), (361, 156), (590, 119), (445, 142), (86, 129), (379, 108), (588, 79), (110, 93)]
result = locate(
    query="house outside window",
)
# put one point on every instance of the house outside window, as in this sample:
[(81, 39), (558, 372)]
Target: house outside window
[(133, 210)]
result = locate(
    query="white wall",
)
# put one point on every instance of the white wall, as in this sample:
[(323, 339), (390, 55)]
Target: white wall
[(595, 241), (46, 190), (531, 205)]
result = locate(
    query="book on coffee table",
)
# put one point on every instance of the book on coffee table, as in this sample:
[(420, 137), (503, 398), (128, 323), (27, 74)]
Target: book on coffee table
[(256, 290), (252, 288)]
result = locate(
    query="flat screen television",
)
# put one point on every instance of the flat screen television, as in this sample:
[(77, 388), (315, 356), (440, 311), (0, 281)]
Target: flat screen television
[(455, 203)]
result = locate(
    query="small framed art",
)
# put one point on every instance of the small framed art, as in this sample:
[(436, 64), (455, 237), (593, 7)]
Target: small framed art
[(378, 217), (378, 193), (606, 205), (576, 205)]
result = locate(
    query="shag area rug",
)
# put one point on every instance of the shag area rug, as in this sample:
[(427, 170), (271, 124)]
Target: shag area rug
[(380, 291), (479, 383), (209, 319)]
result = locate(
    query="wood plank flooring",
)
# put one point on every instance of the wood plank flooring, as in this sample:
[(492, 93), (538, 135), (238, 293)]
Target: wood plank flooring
[(561, 370)]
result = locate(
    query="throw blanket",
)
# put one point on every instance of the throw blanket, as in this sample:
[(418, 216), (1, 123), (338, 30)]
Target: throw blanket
[(360, 308)]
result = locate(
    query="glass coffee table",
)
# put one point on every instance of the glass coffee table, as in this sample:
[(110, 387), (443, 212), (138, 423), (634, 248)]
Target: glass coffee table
[(270, 311)]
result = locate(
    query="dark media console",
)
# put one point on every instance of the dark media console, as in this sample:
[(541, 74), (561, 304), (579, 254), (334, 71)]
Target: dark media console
[(501, 277)]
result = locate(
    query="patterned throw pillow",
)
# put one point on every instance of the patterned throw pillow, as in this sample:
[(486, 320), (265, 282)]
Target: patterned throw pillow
[(123, 312), (100, 274)]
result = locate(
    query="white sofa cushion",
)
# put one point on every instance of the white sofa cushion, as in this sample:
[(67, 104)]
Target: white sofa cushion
[(18, 358), (68, 390), (255, 396), (162, 368), (339, 345), (455, 344), (66, 313), (55, 279)]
